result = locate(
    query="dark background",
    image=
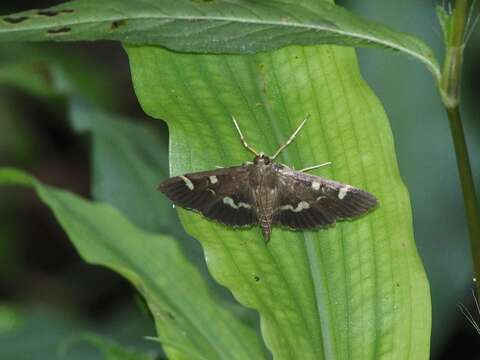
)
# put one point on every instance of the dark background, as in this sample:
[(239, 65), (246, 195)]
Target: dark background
[(43, 281)]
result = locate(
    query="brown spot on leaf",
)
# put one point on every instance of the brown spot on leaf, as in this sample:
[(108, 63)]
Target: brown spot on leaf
[(58, 31), (48, 13), (51, 13), (15, 20), (116, 24)]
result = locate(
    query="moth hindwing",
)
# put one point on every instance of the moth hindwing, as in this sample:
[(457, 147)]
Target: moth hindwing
[(266, 193)]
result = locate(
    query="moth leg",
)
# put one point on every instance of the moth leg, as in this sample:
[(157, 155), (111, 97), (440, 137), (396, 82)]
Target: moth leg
[(242, 138), (289, 141), (316, 166)]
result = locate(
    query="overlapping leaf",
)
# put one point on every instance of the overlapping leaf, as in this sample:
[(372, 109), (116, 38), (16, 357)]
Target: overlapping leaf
[(128, 159), (219, 26), (191, 322)]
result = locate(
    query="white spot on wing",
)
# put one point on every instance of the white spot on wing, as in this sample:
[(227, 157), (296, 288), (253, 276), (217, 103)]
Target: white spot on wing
[(244, 205), (343, 192), (316, 185), (213, 179), (229, 201), (302, 205), (187, 182)]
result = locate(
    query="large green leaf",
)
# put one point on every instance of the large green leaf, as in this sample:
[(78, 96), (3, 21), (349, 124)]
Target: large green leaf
[(191, 322), (355, 291), (219, 26)]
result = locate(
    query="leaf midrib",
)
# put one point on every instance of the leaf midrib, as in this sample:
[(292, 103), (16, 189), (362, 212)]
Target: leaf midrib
[(309, 27)]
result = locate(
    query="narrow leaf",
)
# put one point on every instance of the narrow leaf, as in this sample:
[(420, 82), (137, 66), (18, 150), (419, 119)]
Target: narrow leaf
[(356, 291), (218, 26), (446, 22), (191, 321)]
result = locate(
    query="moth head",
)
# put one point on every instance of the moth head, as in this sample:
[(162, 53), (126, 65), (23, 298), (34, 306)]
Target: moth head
[(261, 159)]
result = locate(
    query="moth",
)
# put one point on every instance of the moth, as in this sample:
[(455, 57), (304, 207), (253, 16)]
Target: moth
[(267, 193)]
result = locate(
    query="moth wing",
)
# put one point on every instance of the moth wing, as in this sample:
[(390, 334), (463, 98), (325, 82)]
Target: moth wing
[(308, 202), (222, 195)]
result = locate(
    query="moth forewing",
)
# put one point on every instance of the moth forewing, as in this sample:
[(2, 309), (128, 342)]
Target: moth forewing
[(218, 194)]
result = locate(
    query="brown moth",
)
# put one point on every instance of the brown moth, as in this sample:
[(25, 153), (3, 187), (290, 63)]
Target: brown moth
[(267, 193)]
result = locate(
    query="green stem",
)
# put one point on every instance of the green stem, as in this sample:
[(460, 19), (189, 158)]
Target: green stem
[(450, 90), (468, 188)]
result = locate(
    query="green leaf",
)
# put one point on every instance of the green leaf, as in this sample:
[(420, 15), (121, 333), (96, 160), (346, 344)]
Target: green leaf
[(218, 26), (191, 322), (110, 350), (128, 159), (446, 22), (354, 291)]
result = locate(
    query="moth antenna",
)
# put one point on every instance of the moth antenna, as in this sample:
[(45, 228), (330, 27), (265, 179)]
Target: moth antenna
[(289, 141), (468, 315), (242, 138), (316, 166)]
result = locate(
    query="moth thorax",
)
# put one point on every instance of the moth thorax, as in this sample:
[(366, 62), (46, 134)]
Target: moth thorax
[(261, 159)]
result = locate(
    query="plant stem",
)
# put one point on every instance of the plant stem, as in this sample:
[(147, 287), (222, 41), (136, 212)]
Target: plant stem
[(450, 90), (468, 188)]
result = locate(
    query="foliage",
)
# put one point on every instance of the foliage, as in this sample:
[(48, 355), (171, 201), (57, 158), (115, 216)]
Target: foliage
[(355, 291), (103, 236)]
